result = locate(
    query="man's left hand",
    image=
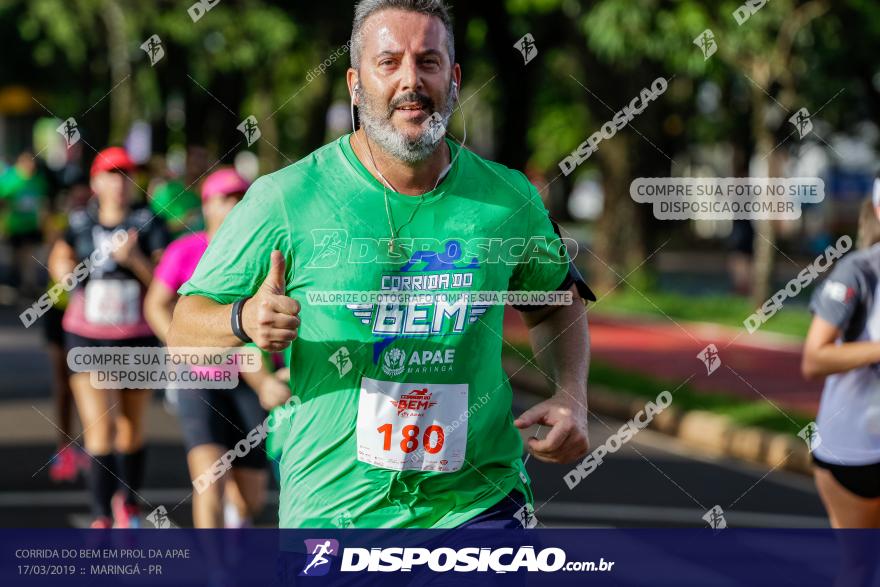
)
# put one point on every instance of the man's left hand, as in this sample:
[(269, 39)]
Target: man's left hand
[(567, 440)]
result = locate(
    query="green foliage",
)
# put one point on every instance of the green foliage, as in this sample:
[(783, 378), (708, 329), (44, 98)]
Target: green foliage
[(719, 309)]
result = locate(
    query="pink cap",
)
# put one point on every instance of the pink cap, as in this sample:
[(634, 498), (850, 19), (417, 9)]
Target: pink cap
[(224, 182)]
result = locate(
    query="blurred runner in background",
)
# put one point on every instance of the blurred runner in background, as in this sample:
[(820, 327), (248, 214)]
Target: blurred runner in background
[(180, 208), (107, 311), (212, 420), (24, 193), (69, 459)]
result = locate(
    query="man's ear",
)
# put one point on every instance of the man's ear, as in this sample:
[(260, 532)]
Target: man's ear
[(354, 85)]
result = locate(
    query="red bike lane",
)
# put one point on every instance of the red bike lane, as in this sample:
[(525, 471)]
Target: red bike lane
[(753, 366)]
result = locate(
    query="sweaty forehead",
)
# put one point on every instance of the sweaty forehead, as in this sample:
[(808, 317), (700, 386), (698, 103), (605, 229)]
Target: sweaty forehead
[(400, 31)]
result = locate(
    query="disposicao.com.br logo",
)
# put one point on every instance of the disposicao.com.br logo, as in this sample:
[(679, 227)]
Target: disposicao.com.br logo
[(322, 553)]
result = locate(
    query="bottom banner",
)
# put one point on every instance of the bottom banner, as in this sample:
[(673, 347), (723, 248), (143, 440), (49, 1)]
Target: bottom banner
[(435, 558)]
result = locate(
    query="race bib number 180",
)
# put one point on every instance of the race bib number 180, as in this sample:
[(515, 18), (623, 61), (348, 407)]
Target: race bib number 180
[(404, 426)]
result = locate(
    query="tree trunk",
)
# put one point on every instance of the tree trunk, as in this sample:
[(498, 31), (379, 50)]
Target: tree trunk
[(120, 71), (765, 237), (267, 146), (619, 243)]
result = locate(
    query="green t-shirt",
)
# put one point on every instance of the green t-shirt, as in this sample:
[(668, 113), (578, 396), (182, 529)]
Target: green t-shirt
[(25, 196), (405, 418)]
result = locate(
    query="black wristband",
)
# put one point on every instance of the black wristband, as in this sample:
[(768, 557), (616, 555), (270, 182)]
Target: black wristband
[(237, 327)]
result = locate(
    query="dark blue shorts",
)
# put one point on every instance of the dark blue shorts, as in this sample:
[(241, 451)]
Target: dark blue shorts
[(505, 515)]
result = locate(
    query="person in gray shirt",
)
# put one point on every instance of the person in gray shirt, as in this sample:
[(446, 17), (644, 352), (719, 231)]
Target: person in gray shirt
[(843, 345)]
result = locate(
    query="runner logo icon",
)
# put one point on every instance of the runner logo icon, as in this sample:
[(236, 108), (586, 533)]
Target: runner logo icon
[(321, 552)]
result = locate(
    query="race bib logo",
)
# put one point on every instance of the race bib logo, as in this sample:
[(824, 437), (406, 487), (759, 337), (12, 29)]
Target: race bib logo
[(414, 403), (322, 552)]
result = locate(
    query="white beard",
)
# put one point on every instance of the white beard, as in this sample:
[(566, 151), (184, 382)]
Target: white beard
[(381, 130)]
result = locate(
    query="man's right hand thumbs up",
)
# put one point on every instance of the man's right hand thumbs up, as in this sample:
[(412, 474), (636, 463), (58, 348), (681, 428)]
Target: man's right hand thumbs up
[(271, 318)]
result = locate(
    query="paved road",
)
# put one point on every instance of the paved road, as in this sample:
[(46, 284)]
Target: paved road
[(652, 481)]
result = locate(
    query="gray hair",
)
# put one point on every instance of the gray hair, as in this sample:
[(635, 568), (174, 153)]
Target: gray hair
[(366, 8)]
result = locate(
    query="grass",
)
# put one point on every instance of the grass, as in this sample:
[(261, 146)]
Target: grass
[(725, 310), (759, 413)]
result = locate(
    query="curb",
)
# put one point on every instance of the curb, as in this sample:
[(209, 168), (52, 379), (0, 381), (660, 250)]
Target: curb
[(712, 434)]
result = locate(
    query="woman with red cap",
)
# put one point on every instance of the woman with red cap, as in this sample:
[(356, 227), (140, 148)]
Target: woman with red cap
[(215, 420), (106, 310)]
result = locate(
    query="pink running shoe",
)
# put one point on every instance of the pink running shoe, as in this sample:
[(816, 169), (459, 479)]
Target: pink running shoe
[(65, 465), (125, 515)]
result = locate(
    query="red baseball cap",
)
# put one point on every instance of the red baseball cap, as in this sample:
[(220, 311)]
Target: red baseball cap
[(110, 159)]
